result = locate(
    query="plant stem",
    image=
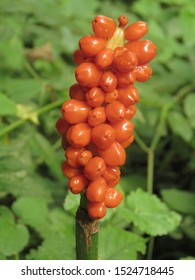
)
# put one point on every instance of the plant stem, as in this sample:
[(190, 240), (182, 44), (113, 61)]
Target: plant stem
[(86, 234), (38, 112), (150, 248), (150, 171)]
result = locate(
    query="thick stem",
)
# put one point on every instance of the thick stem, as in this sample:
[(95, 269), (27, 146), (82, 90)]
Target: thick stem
[(86, 234)]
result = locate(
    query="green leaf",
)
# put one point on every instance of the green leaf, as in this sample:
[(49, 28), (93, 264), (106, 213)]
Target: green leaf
[(71, 202), (150, 214), (13, 237), (47, 154), (180, 125), (187, 21), (118, 244), (7, 106), (31, 210), (188, 227), (56, 246), (181, 201)]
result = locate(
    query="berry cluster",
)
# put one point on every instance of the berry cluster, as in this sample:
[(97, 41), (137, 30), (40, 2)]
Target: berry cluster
[(96, 122)]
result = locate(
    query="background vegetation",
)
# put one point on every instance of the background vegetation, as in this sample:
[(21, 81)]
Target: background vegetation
[(37, 40)]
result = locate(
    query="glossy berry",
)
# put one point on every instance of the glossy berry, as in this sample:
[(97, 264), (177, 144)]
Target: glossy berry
[(95, 97), (123, 20), (77, 184), (114, 155), (108, 81), (125, 79), (113, 197), (115, 111), (77, 92), (96, 190), (79, 135), (75, 111), (62, 126), (84, 157), (80, 57), (91, 45), (88, 75), (94, 168), (97, 116), (103, 26), (128, 96), (124, 60), (126, 143), (145, 50), (72, 155), (70, 171), (103, 136), (136, 30), (143, 72), (96, 210), (111, 174), (123, 130), (111, 96), (104, 58)]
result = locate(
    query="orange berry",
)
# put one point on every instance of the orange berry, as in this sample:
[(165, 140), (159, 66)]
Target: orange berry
[(104, 58), (111, 174), (130, 112), (79, 135), (113, 198), (111, 96), (123, 130), (91, 45), (76, 92), (136, 30), (114, 155), (80, 57), (128, 96), (75, 111), (143, 73), (69, 171), (123, 20), (115, 111), (103, 136), (62, 126), (88, 75), (97, 116), (94, 168), (77, 184), (128, 142), (96, 210), (84, 157), (145, 50), (108, 81), (96, 190), (95, 97), (124, 60), (72, 155), (103, 27)]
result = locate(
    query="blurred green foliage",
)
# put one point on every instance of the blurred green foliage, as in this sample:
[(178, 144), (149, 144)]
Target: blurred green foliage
[(36, 213)]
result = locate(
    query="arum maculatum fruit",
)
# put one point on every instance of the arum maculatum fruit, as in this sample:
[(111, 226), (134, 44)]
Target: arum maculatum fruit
[(96, 125)]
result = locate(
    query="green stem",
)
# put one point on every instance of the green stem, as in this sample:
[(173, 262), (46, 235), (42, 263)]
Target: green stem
[(150, 248), (38, 112), (86, 234), (141, 143), (150, 171)]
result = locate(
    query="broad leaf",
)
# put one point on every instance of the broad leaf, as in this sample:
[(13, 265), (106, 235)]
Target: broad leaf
[(150, 214), (13, 237), (180, 125), (118, 244), (7, 106), (181, 201), (189, 105)]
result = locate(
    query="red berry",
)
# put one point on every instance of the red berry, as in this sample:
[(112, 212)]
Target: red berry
[(136, 30), (145, 50), (123, 20), (128, 96), (79, 135), (70, 171), (95, 97), (104, 58), (75, 111), (97, 116), (94, 168), (130, 112), (62, 126), (80, 57), (114, 155), (84, 157), (96, 210), (88, 75), (124, 60), (111, 174), (113, 198), (115, 111), (91, 45), (77, 92), (123, 130), (111, 96), (103, 27), (143, 73), (125, 79), (103, 135), (77, 184), (126, 143), (96, 190), (108, 81), (72, 155)]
